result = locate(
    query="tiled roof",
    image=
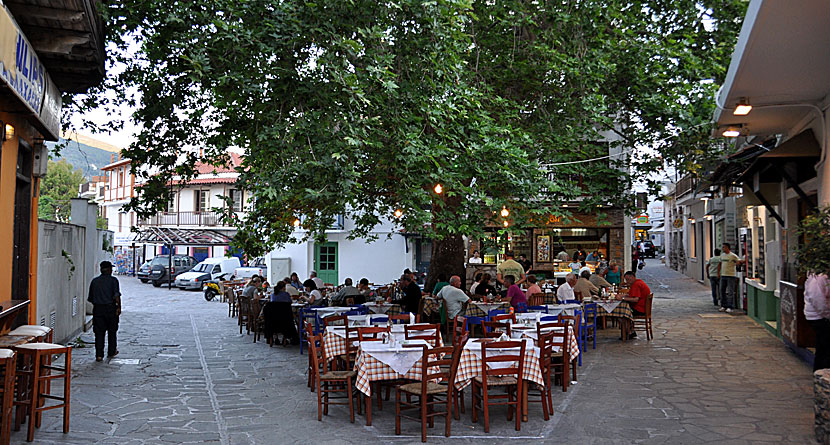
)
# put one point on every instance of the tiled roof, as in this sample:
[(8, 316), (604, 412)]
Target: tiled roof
[(206, 169)]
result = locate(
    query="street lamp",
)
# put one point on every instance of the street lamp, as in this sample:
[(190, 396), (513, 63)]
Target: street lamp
[(504, 212), (439, 189), (398, 213), (296, 222)]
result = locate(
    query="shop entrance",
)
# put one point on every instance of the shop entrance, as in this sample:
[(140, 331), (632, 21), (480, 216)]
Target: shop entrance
[(22, 221)]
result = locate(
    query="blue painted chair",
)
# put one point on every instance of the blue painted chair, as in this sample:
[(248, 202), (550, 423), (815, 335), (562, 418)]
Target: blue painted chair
[(399, 319), (360, 308), (542, 309), (308, 315), (472, 322), (378, 319), (347, 313), (521, 307), (495, 312), (570, 302), (548, 318), (590, 323)]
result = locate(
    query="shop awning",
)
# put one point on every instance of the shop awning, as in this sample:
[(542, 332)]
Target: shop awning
[(801, 152), (727, 172), (182, 237)]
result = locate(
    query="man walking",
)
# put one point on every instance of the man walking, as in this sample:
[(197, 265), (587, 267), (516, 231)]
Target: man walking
[(712, 274), (728, 278), (105, 296)]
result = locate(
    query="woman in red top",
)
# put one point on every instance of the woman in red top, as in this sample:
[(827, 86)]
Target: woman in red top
[(638, 293)]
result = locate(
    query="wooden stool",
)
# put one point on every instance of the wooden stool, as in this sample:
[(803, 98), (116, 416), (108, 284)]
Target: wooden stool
[(7, 361), (33, 386), (42, 334), (10, 341)]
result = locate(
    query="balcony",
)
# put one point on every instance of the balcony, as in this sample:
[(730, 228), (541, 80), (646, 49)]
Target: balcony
[(203, 219)]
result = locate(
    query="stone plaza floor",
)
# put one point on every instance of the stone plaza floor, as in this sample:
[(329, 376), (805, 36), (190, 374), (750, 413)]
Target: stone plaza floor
[(186, 375)]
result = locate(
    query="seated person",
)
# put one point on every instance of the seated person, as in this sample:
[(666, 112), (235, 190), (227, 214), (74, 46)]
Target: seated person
[(565, 292), (575, 266), (584, 288), (454, 297), (583, 267), (339, 299), (442, 281), (613, 275), (598, 278), (366, 293), (411, 294), (314, 297), (638, 293), (532, 287), (484, 288), (278, 316), (252, 288), (476, 279), (514, 293), (291, 289), (591, 257), (476, 258)]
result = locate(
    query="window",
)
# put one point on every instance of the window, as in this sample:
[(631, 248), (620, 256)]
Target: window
[(217, 269), (120, 221), (237, 197), (692, 240), (202, 200), (171, 203)]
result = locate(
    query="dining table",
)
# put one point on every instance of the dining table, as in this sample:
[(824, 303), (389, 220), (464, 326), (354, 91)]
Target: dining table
[(384, 308)]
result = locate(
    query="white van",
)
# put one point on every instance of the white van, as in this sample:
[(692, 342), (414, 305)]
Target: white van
[(210, 269)]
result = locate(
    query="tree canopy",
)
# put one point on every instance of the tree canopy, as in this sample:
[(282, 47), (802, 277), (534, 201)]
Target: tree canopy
[(361, 107), (57, 188)]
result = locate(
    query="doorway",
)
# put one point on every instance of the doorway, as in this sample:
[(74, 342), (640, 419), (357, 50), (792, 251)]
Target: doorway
[(22, 222), (325, 262)]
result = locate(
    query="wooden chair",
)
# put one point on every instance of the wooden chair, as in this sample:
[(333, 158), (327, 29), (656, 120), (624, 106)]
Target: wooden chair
[(371, 333), (243, 313), (36, 374), (336, 320), (230, 296), (509, 378), (560, 352), (438, 368), (644, 321), (400, 318), (8, 362), (494, 329), (545, 345), (459, 393), (422, 332), (504, 318), (330, 382), (309, 335), (459, 328), (576, 322), (537, 299)]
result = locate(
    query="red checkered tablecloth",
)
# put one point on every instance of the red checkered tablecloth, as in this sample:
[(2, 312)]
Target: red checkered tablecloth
[(621, 311), (470, 366), (573, 344), (431, 305), (335, 345), (370, 369), (474, 311)]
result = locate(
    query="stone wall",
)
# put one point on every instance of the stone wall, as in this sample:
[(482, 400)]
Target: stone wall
[(821, 385)]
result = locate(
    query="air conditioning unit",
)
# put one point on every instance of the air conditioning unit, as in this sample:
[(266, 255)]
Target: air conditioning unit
[(40, 155)]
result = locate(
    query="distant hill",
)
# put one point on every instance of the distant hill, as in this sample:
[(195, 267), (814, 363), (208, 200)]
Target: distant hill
[(85, 157)]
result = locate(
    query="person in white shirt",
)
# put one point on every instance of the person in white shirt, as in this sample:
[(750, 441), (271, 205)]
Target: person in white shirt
[(476, 258), (476, 279), (817, 313), (566, 291), (316, 280), (727, 273), (575, 265), (291, 289), (583, 268), (453, 297)]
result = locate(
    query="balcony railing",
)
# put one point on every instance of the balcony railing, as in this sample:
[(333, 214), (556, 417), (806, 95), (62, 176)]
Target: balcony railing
[(206, 218)]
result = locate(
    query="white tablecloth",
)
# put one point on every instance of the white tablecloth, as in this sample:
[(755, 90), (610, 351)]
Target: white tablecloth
[(328, 311), (379, 308), (475, 347), (397, 357), (568, 309), (609, 306)]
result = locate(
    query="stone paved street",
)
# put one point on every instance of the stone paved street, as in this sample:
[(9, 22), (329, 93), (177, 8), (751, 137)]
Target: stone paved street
[(185, 374)]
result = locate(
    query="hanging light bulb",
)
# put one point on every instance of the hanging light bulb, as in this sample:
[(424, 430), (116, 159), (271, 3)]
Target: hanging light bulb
[(296, 222), (439, 189), (506, 223), (398, 213), (504, 212)]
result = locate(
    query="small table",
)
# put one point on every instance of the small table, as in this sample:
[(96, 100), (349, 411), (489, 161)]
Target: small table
[(9, 311)]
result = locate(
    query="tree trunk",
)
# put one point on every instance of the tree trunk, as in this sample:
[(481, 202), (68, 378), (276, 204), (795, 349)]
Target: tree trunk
[(447, 259)]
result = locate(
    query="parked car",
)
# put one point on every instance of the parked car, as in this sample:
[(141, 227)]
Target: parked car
[(650, 251), (257, 267), (143, 272), (160, 265), (210, 269)]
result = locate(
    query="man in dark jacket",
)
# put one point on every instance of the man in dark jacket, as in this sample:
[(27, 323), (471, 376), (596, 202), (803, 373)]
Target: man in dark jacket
[(411, 294), (105, 296)]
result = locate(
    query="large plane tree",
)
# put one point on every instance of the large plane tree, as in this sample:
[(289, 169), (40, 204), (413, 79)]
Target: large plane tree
[(363, 107)]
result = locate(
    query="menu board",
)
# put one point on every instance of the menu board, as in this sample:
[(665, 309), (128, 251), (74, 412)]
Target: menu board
[(760, 263), (789, 312), (543, 248), (746, 245)]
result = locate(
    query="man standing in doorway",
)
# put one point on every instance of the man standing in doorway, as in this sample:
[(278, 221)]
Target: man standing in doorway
[(510, 267), (712, 274), (728, 278), (105, 296)]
